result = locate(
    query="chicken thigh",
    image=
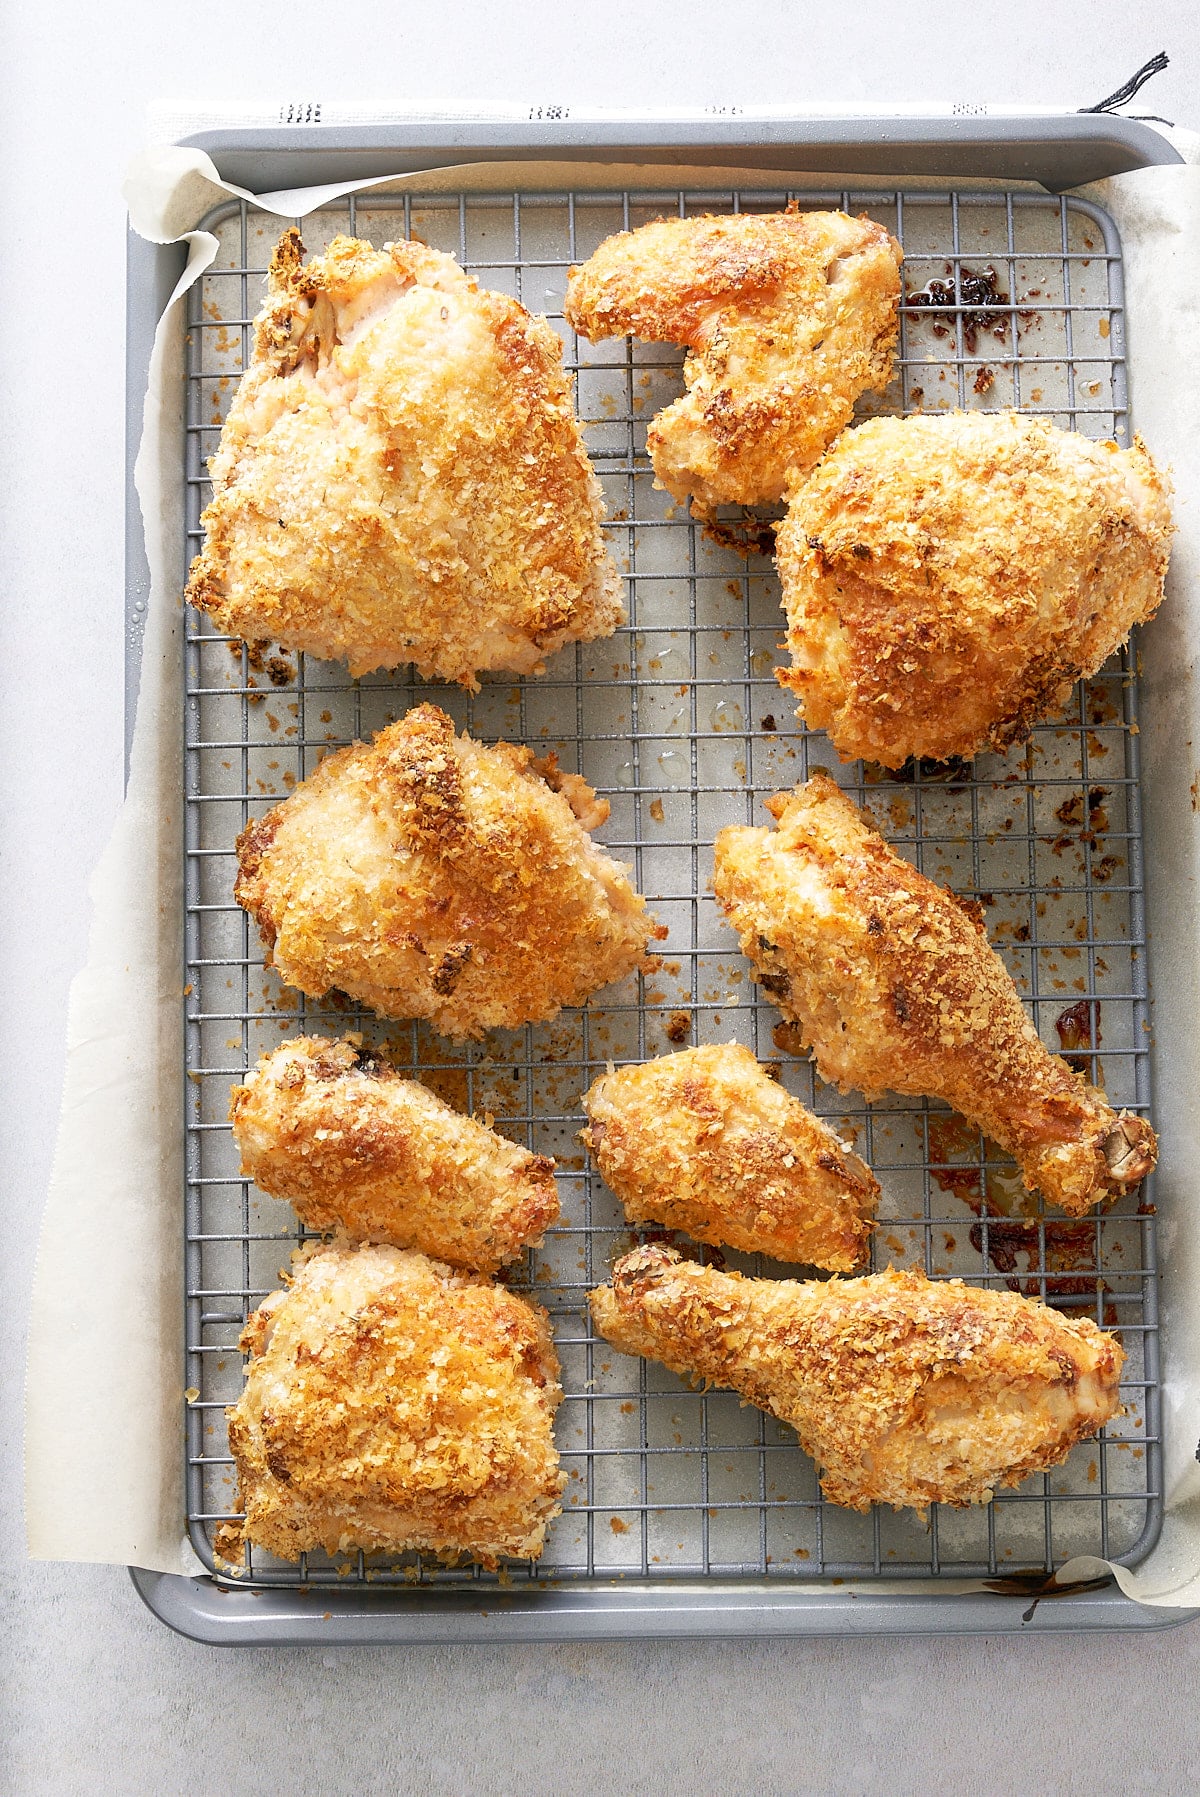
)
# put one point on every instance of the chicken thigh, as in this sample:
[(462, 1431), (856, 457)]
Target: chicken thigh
[(428, 875), (948, 579), (905, 1390), (401, 476), (894, 987), (355, 1147), (707, 1142), (788, 316), (391, 1403)]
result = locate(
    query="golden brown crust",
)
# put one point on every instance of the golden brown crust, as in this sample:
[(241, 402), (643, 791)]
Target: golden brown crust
[(947, 579), (906, 1391), (705, 1141), (789, 317), (391, 1404), (401, 476), (355, 1147), (894, 987), (428, 875)]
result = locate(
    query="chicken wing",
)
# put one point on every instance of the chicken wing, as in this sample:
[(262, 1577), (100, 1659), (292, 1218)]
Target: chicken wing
[(788, 316), (948, 579), (906, 1391), (895, 987), (707, 1142), (391, 1403), (401, 476), (427, 875), (353, 1146)]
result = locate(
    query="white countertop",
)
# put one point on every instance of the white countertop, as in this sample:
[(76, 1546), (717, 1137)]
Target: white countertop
[(100, 1696)]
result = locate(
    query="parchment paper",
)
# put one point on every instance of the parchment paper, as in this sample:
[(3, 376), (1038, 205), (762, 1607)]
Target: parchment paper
[(104, 1365)]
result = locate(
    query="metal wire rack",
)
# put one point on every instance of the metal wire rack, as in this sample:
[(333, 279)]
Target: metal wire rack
[(1012, 300)]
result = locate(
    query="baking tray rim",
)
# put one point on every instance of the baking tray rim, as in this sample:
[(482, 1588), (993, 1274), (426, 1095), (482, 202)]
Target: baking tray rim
[(1058, 150), (625, 1609), (614, 1610)]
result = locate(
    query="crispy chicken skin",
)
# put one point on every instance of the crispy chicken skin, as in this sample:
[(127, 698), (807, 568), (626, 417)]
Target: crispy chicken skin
[(788, 316), (427, 875), (357, 1148), (706, 1141), (391, 1403), (401, 476), (895, 987), (948, 579), (906, 1391)]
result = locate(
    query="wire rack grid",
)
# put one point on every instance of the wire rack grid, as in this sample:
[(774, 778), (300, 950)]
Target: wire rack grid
[(677, 719)]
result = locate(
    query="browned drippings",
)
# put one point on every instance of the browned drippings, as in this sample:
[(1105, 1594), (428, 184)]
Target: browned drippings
[(1079, 1025), (955, 772), (1079, 1028), (975, 289), (1008, 1224), (1070, 1263), (789, 1038), (1085, 813), (746, 536), (1100, 707), (1087, 808), (1005, 1194)]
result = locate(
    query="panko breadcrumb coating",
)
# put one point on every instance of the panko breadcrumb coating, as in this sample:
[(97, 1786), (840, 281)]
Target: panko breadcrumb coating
[(357, 1148), (428, 875), (391, 1403), (788, 316), (706, 1141), (905, 1390), (947, 579), (401, 476), (894, 987)]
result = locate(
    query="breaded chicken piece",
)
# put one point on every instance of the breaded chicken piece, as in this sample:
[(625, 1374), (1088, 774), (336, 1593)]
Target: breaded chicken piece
[(357, 1148), (948, 579), (894, 987), (788, 316), (401, 476), (706, 1141), (391, 1403), (427, 875), (906, 1391)]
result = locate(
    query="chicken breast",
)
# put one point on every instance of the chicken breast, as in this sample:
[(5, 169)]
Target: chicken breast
[(894, 987), (427, 875), (906, 1391), (390, 1404), (947, 579), (705, 1141), (788, 316), (401, 476), (356, 1148)]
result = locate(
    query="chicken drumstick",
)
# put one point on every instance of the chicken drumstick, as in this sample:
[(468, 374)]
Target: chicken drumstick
[(906, 1390), (896, 988)]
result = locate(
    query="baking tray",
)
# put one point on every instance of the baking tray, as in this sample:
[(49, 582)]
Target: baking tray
[(685, 1512)]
